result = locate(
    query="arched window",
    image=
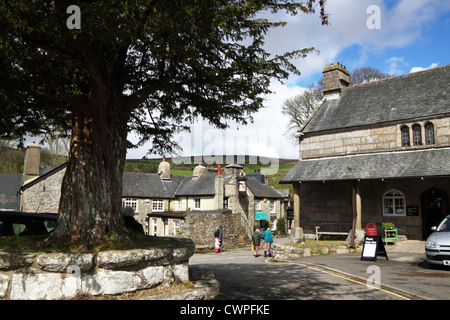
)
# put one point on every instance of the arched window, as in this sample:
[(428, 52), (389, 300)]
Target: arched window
[(394, 203), (417, 135), (405, 136), (429, 133)]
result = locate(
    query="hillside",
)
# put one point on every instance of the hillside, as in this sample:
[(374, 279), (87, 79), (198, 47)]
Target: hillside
[(11, 161), (184, 166)]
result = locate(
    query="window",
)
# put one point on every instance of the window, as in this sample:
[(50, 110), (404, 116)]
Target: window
[(429, 133), (394, 204), (158, 205), (258, 205), (132, 203), (196, 203), (225, 203), (154, 226), (272, 206), (417, 135), (176, 227), (405, 136)]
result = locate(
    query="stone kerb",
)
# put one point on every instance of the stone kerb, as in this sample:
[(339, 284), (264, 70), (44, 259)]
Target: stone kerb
[(35, 275)]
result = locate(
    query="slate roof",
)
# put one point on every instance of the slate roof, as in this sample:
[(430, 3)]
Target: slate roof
[(150, 185), (202, 186), (261, 190), (390, 165), (145, 185), (411, 96)]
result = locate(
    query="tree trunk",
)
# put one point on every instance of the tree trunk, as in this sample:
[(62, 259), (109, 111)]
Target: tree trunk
[(90, 205)]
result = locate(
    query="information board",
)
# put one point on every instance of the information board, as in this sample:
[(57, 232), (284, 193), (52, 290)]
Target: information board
[(290, 213), (412, 210), (373, 247)]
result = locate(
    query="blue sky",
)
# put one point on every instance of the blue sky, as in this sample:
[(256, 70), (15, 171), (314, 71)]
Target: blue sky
[(413, 35)]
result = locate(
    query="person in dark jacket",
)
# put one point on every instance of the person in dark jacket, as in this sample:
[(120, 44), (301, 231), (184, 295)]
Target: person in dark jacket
[(256, 241)]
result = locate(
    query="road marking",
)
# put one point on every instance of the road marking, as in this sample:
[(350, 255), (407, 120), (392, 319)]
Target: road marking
[(340, 276)]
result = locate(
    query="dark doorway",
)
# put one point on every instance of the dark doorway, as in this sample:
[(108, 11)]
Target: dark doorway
[(434, 209)]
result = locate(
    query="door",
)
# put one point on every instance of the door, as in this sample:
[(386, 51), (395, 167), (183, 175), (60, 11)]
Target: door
[(434, 209)]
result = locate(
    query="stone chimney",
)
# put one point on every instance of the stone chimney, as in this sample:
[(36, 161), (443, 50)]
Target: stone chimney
[(199, 171), (164, 170), (335, 78), (234, 169), (32, 162)]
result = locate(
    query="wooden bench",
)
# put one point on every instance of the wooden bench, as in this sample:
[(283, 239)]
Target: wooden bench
[(333, 228)]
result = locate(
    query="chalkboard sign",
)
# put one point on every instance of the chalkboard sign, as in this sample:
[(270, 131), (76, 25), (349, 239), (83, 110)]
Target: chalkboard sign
[(373, 246), (290, 213), (412, 210)]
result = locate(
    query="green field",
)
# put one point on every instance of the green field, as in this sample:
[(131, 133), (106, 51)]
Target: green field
[(277, 171), (11, 161)]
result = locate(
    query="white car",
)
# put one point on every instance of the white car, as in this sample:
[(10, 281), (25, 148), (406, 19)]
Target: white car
[(437, 247)]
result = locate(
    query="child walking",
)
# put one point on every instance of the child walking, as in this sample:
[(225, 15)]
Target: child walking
[(217, 244)]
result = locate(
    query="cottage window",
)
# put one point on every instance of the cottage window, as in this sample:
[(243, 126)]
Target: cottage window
[(394, 203), (154, 227), (405, 136), (132, 203), (176, 227), (417, 135), (196, 203), (258, 205), (429, 133), (272, 206), (158, 205)]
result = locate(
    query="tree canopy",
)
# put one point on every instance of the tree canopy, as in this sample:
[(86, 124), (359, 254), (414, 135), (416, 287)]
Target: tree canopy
[(146, 66), (167, 62)]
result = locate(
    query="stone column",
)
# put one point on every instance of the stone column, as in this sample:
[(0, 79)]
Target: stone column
[(358, 207), (296, 204)]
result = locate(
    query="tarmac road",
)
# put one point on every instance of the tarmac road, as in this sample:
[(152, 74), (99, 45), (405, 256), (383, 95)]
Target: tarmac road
[(406, 275)]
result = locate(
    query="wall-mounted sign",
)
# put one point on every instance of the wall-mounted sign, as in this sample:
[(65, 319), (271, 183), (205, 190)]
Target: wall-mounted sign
[(412, 210), (290, 214), (242, 186), (261, 216)]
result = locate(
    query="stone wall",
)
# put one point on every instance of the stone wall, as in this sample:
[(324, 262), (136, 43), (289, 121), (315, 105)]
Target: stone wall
[(201, 225), (26, 275), (43, 197), (370, 139)]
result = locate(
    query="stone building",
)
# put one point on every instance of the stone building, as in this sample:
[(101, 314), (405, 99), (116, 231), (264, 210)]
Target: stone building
[(376, 152), (168, 205)]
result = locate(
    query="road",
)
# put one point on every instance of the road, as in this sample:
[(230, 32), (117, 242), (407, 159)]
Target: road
[(244, 277)]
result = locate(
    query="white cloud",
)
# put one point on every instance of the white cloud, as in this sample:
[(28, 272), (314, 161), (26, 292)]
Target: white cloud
[(417, 69), (395, 65), (402, 23)]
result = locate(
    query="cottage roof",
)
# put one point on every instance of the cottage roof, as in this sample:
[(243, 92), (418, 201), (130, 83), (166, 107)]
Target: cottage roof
[(406, 97), (202, 186), (261, 190), (405, 164), (145, 185)]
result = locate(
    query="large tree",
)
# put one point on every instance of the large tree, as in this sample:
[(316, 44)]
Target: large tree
[(138, 65), (299, 108)]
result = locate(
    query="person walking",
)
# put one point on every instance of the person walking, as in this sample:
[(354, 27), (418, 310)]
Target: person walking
[(217, 244), (268, 240), (256, 241)]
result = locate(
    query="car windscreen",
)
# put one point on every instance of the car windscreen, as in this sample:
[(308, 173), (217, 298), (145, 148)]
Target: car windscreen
[(444, 226)]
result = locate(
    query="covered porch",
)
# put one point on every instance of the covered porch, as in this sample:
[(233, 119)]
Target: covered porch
[(408, 188)]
